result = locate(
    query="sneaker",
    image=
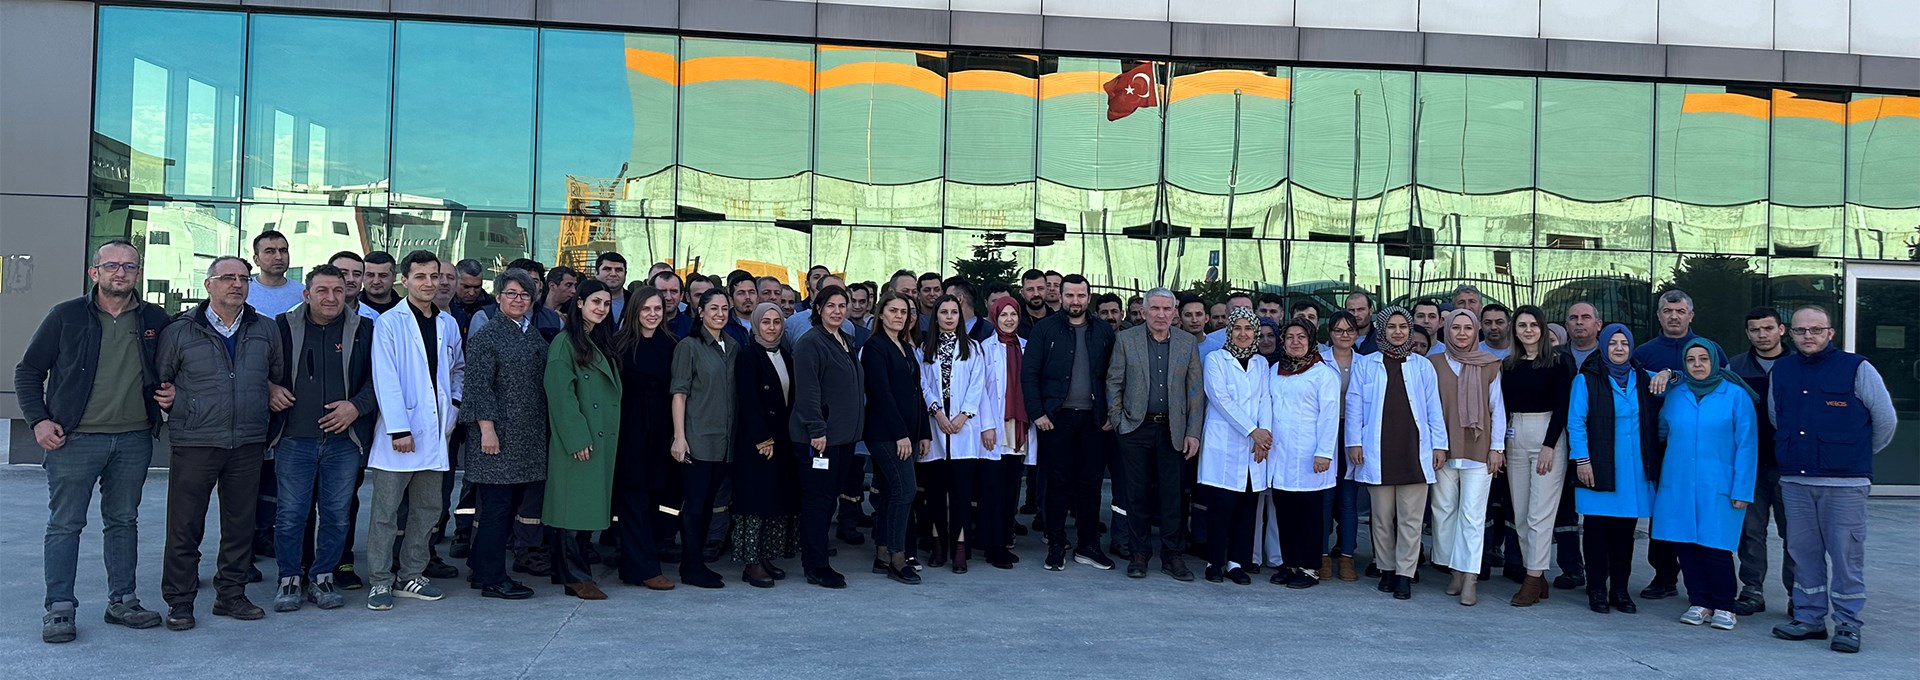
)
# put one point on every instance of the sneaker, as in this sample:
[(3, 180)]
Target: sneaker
[(1091, 556), (1056, 558), (1695, 615), (1795, 630), (380, 598), (1750, 603), (1725, 619), (58, 627), (1846, 639), (418, 589), (290, 596), (323, 595), (129, 613), (344, 577)]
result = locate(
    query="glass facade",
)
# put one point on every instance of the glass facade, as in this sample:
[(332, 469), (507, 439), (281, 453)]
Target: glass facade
[(495, 142)]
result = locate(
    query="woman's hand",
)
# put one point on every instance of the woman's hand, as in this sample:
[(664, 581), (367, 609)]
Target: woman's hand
[(903, 448), (1356, 456), (1545, 464), (679, 449), (1496, 462), (1658, 385), (819, 444), (1262, 439), (1584, 473), (959, 423), (940, 421), (988, 440), (1739, 505), (926, 447), (766, 449), (583, 454), (489, 441), (1321, 464)]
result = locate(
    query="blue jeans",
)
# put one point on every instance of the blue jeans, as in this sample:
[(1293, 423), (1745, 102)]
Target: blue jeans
[(1340, 516), (118, 464), (330, 464)]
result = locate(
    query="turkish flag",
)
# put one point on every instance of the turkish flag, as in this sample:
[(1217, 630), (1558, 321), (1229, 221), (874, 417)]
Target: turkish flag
[(1131, 90)]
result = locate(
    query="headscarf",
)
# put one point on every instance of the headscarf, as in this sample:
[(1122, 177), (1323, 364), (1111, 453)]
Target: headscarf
[(760, 312), (1620, 371), (1016, 399), (1470, 392), (1242, 353), (1401, 350), (1287, 364), (1559, 334), (1270, 325), (1716, 358)]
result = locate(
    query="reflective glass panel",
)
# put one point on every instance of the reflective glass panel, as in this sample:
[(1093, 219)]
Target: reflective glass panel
[(746, 143), (1723, 288), (314, 232), (463, 117), (166, 115), (1503, 275), (1618, 285), (716, 248), (1795, 282), (1227, 149), (882, 117), (577, 240), (177, 239), (318, 140), (1352, 153), (1595, 165), (992, 101), (491, 236), (872, 254), (1096, 175), (606, 122), (1809, 172), (1110, 262), (1475, 171), (1710, 169), (1883, 177)]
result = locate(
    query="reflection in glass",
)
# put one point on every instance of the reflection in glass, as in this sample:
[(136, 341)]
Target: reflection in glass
[(878, 135), (1096, 175), (1710, 169), (1883, 177), (871, 254), (959, 244), (308, 138), (166, 117), (1321, 271), (577, 240), (1110, 262), (606, 122), (1617, 284), (715, 248), (992, 101), (1352, 153), (177, 239), (314, 232), (453, 232), (745, 142), (463, 116), (1227, 146), (1795, 282), (1723, 288), (1809, 170), (1475, 160), (1503, 275), (1595, 165)]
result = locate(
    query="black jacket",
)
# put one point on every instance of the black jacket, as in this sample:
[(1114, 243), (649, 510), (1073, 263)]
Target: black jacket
[(827, 384), (1601, 440), (54, 378), (896, 408), (1747, 366), (359, 370), (762, 407), (1047, 365)]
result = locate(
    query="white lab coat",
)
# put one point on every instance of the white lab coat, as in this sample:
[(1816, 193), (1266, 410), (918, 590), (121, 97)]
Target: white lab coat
[(968, 388), (1366, 394), (1236, 406), (1305, 422), (993, 405), (410, 400)]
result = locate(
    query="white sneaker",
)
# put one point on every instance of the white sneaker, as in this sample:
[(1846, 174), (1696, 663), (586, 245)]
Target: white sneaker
[(1694, 616), (1724, 619)]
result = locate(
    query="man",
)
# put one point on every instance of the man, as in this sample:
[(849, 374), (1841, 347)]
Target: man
[(929, 293), (443, 286), (611, 268), (677, 321), (562, 281), (272, 293), (1218, 337), (418, 365), (698, 285), (1305, 309), (1360, 305), (902, 284), (1426, 314), (1054, 281), (789, 300), (1583, 332), (223, 361), (1583, 339), (1107, 306), (1033, 299), (744, 294), (353, 270), (1134, 311), (1764, 334), (376, 292), (1155, 402), (1662, 353), (87, 386), (1216, 317), (1272, 308), (470, 293), (859, 305), (814, 274), (1834, 415), (1468, 298), (1060, 373), (1193, 316), (320, 440), (656, 268), (769, 289), (1496, 330)]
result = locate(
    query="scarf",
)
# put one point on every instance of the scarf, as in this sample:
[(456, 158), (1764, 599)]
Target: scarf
[(759, 313), (1236, 351), (1469, 392), (943, 356), (1287, 364), (1401, 350), (1273, 326), (1016, 398), (1717, 358), (1620, 371)]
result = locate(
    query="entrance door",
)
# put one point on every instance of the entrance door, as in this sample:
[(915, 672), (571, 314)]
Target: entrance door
[(1883, 325)]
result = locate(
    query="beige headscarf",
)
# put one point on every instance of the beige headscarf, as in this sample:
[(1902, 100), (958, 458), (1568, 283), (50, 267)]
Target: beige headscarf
[(1470, 391)]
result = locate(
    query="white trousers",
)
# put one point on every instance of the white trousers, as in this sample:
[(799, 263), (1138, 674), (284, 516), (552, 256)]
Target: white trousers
[(1460, 517), (1266, 532), (1536, 497)]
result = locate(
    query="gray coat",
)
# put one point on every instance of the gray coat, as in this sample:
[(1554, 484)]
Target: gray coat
[(219, 401), (505, 383), (1128, 381)]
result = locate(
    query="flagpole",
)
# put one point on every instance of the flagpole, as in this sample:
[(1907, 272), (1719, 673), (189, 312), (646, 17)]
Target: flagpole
[(1164, 228), (1233, 178)]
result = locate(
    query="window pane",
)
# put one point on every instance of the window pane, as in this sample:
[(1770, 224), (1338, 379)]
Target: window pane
[(329, 229), (1324, 272), (1596, 164), (991, 114), (1475, 160), (1883, 177), (1710, 169), (1617, 284), (577, 240), (1352, 153), (870, 254), (1503, 275), (1794, 282), (1723, 288), (1227, 145), (1110, 262), (309, 139), (166, 117), (881, 118), (716, 248), (960, 244), (1809, 172), (1096, 175), (463, 117), (746, 143), (606, 122), (178, 241), (491, 236)]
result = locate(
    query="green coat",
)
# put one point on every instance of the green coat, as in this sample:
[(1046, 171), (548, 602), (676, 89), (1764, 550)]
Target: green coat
[(583, 409)]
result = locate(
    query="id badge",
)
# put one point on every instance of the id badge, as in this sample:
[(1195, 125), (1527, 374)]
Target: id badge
[(820, 462)]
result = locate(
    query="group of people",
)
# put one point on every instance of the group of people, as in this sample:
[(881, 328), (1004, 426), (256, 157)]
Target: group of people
[(688, 418)]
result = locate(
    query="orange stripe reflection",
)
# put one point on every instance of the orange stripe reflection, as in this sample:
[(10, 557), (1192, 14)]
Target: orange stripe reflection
[(792, 72), (884, 73), (656, 64), (992, 81), (1250, 83)]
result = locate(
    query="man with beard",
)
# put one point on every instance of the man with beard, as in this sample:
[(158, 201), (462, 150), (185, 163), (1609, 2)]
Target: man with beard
[(929, 292), (1107, 306), (1033, 301), (1497, 321), (677, 321), (376, 292), (1360, 305), (1426, 314), (1053, 290), (1272, 308), (353, 269), (470, 294), (272, 292), (1061, 374)]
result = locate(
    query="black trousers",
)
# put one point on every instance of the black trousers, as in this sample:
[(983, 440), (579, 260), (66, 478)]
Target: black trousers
[(1013, 470), (700, 480), (930, 520), (1664, 559), (1566, 534), (195, 473), (818, 489), (1149, 457), (853, 492), (639, 554), (1230, 517), (493, 523), (1609, 544), (1711, 582), (967, 501), (1074, 464), (1302, 534), (569, 551)]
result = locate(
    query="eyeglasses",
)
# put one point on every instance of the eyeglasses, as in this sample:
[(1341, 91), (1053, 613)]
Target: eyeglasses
[(229, 279), (1810, 330), (114, 267), (1345, 331), (516, 295)]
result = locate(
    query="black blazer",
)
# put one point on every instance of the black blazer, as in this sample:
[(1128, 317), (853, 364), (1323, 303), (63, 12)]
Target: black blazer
[(1047, 365), (761, 409), (827, 385), (896, 408)]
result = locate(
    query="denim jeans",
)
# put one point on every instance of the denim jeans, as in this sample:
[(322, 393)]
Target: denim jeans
[(330, 465), (1340, 518), (118, 464)]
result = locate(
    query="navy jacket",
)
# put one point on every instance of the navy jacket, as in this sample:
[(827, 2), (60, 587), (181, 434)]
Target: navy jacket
[(1824, 428)]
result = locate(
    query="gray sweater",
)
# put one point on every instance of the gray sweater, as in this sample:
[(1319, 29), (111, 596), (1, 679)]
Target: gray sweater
[(505, 383)]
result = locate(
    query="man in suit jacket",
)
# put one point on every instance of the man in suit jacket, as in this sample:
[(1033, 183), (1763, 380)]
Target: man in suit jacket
[(1156, 402), (1060, 374)]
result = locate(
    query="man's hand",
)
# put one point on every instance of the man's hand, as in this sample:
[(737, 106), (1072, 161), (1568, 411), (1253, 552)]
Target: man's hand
[(1043, 424), (49, 435), (163, 397), (1192, 447), (1658, 385), (340, 416), (1439, 458), (903, 448), (403, 444), (1262, 439), (279, 398)]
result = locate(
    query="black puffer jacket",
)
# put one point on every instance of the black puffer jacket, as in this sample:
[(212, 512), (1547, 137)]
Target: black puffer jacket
[(219, 401)]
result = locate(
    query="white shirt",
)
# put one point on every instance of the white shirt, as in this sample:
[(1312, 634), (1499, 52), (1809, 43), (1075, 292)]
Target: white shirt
[(225, 330), (1496, 412)]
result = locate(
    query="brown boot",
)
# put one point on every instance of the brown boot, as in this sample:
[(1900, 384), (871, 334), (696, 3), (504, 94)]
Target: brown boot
[(586, 590), (1532, 590), (1346, 569), (1326, 566)]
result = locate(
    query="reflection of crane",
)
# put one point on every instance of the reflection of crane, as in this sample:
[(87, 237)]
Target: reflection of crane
[(586, 230)]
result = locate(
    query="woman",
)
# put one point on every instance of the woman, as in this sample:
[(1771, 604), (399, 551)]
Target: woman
[(1343, 505), (584, 439), (1706, 479), (896, 433), (703, 400), (1476, 422), (953, 380), (504, 402), (1305, 397), (1613, 429), (1536, 383), (1266, 339), (826, 421), (1422, 340), (644, 474), (763, 486), (1234, 453), (1012, 442), (1396, 438)]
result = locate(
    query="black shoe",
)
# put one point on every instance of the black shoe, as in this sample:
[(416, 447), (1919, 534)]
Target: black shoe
[(437, 569), (263, 550), (1750, 603), (879, 566), (1657, 591), (1056, 558), (254, 575), (863, 521), (668, 554), (1514, 574), (1569, 581), (826, 577), (1092, 557), (239, 608), (1001, 558), (180, 617), (850, 537), (1373, 570), (1279, 577), (1301, 580), (1239, 576), (711, 553), (1597, 601), (1623, 604), (1215, 575), (698, 579), (345, 579), (1402, 588), (534, 563), (1020, 529), (1253, 568), (1121, 551), (1137, 567), (1028, 509), (747, 576), (510, 590), (904, 575), (1177, 568), (777, 573), (460, 548), (1386, 582)]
